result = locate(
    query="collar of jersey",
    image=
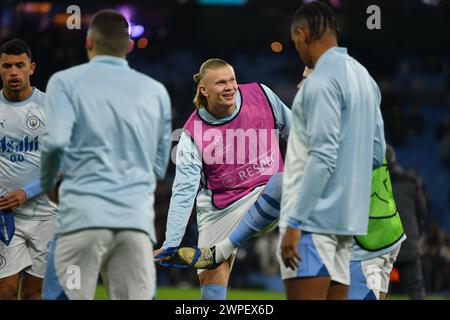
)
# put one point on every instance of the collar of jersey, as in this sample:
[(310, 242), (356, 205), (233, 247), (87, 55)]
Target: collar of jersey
[(208, 117), (17, 103), (329, 54), (110, 60)]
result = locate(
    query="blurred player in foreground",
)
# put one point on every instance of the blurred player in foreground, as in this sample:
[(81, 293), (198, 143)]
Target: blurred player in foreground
[(374, 254), (111, 126), (23, 206), (337, 139), (229, 147)]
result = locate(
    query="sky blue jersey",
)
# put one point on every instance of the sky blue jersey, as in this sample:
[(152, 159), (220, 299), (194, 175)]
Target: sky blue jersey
[(111, 125), (337, 139)]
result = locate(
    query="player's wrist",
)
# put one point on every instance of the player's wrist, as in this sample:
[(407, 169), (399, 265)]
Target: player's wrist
[(294, 223), (26, 192)]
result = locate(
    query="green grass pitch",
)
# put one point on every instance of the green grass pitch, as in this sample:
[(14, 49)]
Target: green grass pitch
[(172, 293)]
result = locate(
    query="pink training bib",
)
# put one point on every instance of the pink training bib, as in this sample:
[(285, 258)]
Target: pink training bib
[(242, 153)]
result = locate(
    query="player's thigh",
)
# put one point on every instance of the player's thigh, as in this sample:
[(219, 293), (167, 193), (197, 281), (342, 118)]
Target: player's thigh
[(220, 230), (317, 255), (77, 260), (128, 268), (341, 265), (311, 280), (359, 289), (308, 288), (386, 269), (370, 278), (9, 287), (31, 287), (15, 257), (337, 291), (39, 237)]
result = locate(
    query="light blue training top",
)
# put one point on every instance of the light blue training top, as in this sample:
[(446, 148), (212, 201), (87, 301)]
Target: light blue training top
[(337, 139), (111, 125)]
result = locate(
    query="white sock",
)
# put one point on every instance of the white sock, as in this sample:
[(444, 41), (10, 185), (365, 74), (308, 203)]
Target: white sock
[(224, 250)]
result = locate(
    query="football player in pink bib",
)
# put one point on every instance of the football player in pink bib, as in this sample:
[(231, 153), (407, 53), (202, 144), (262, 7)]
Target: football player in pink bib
[(228, 162)]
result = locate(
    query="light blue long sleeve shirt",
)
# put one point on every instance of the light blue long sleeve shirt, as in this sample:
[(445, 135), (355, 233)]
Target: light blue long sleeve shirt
[(188, 175), (111, 126), (337, 138)]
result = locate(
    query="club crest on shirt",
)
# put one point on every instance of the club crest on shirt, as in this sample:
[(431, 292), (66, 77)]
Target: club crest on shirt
[(2, 262), (33, 122)]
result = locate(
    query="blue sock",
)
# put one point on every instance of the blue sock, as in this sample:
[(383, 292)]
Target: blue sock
[(213, 292), (261, 214)]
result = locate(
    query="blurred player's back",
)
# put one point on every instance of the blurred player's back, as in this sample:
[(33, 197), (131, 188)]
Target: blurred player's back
[(112, 127), (110, 162)]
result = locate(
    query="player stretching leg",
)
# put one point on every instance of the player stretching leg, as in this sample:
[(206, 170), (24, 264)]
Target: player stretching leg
[(232, 177), (261, 218)]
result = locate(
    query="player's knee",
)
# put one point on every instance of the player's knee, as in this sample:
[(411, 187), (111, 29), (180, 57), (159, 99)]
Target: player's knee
[(8, 292), (274, 186)]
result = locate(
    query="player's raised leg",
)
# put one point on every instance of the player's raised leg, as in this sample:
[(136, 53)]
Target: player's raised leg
[(32, 287), (261, 218)]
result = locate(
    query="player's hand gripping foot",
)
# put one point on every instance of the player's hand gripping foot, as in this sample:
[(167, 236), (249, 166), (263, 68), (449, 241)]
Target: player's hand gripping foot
[(206, 260)]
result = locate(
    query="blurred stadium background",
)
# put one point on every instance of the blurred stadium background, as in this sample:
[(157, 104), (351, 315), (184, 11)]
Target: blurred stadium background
[(408, 57)]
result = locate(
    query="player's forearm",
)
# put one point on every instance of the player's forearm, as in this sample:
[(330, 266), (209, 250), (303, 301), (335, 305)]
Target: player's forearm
[(184, 190), (163, 155), (177, 221), (181, 203), (314, 180)]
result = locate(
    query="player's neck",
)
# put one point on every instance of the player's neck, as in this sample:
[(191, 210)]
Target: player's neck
[(93, 53), (221, 112), (16, 96), (321, 47)]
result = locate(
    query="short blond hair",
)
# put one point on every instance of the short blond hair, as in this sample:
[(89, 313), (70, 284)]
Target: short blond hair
[(215, 63)]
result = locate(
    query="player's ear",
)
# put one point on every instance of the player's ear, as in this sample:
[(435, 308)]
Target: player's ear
[(130, 45), (89, 43), (304, 35), (32, 67), (203, 90)]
